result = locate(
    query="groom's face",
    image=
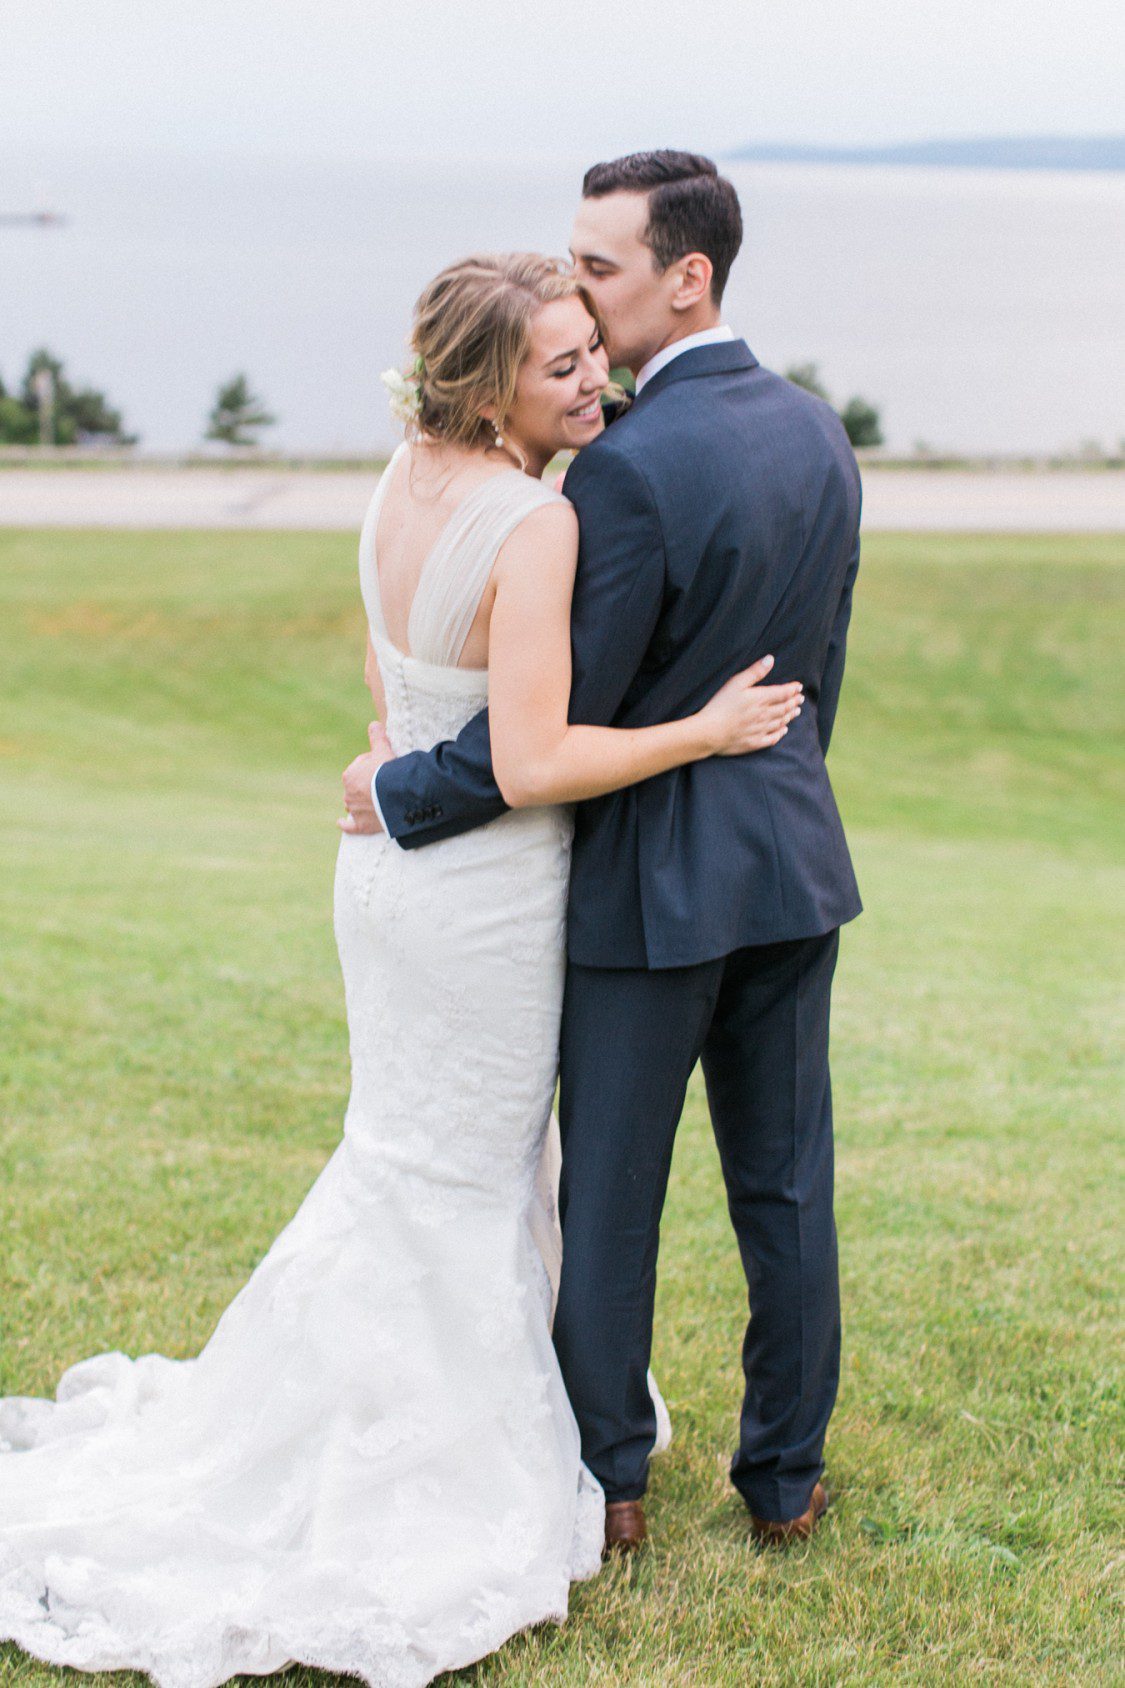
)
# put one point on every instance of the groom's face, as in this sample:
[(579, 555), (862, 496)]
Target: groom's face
[(613, 261)]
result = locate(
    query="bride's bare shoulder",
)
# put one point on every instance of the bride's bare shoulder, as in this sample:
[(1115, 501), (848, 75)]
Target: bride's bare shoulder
[(545, 540)]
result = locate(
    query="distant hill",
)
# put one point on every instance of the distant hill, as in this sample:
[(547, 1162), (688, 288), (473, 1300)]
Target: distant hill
[(1019, 152)]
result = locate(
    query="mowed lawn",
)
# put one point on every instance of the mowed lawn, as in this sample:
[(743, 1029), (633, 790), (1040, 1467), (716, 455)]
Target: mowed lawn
[(175, 709)]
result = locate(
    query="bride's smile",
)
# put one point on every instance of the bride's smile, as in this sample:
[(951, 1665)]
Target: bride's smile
[(557, 404)]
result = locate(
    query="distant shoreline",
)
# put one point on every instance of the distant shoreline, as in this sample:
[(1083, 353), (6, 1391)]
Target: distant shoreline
[(1017, 152)]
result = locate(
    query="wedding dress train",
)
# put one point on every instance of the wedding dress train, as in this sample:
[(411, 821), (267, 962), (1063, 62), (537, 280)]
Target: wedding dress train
[(372, 1466)]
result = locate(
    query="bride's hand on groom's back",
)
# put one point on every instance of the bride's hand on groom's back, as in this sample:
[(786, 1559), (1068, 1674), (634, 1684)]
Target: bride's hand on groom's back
[(744, 715)]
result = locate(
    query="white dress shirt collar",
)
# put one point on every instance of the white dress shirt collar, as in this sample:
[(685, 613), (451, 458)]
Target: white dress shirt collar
[(705, 337)]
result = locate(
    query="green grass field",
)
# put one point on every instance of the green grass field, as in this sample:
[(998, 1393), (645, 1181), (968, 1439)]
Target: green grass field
[(175, 712)]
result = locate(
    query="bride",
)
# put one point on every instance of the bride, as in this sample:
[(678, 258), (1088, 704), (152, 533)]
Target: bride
[(372, 1466)]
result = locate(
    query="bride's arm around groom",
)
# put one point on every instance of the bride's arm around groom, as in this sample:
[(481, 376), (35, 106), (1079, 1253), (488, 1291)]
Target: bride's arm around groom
[(617, 598)]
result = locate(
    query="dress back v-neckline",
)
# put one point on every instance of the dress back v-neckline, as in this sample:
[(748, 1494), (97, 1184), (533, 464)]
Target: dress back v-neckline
[(462, 510), (455, 569)]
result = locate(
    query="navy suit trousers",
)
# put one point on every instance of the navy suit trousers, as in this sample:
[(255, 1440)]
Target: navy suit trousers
[(758, 1020)]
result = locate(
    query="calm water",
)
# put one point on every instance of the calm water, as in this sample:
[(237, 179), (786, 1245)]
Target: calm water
[(981, 310)]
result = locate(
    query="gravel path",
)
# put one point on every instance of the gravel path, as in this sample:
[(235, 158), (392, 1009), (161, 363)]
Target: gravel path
[(905, 499)]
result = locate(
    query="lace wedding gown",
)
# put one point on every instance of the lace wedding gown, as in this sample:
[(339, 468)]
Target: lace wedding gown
[(372, 1466)]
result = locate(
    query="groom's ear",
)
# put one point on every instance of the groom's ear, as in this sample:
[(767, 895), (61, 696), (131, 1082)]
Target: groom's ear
[(693, 284)]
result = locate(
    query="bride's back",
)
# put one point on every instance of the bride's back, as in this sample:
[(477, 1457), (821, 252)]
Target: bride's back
[(419, 506), (427, 551)]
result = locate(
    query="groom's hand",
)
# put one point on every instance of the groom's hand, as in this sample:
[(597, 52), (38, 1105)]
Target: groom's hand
[(358, 775)]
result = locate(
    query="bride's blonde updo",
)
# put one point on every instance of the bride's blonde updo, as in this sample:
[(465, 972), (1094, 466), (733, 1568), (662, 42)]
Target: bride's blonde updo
[(472, 332)]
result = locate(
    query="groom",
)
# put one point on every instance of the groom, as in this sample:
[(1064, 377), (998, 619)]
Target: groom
[(705, 903)]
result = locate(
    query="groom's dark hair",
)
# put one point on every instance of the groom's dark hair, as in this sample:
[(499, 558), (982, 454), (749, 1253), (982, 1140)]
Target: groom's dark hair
[(691, 208)]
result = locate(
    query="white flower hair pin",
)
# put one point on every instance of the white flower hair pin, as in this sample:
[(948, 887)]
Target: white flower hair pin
[(405, 391)]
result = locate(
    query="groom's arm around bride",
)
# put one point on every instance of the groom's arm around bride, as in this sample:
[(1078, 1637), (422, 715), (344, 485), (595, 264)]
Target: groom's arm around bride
[(718, 520)]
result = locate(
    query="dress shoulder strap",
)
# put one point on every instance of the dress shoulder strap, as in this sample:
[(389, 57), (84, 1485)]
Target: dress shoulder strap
[(368, 573)]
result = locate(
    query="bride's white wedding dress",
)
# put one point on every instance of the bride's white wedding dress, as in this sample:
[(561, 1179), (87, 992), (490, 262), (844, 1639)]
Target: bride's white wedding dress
[(373, 1465)]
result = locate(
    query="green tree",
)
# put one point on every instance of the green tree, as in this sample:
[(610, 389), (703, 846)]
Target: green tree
[(861, 422), (860, 419), (17, 427), (237, 416), (93, 417), (807, 375), (77, 415)]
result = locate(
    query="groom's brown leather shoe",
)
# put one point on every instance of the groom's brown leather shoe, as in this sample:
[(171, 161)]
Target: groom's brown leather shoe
[(625, 1527), (781, 1534)]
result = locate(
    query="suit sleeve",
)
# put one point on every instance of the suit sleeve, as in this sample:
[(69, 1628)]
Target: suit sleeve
[(833, 673), (428, 795)]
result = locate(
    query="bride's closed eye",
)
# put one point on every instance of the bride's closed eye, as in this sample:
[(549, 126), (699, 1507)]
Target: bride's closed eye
[(561, 374)]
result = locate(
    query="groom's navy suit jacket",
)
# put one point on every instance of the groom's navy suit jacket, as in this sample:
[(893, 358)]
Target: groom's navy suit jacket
[(719, 522)]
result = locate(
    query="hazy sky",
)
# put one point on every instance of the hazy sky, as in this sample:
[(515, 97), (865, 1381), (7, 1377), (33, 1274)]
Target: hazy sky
[(357, 78)]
